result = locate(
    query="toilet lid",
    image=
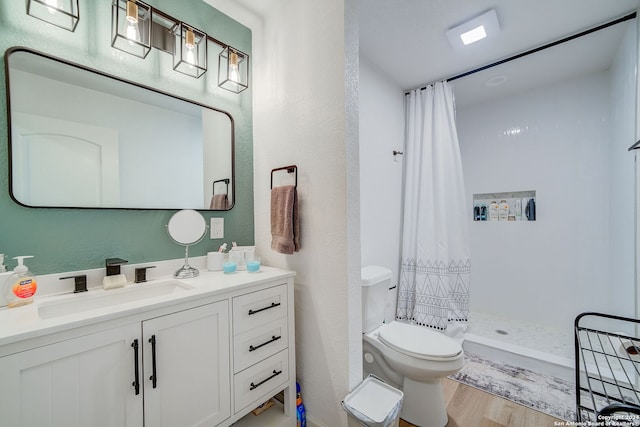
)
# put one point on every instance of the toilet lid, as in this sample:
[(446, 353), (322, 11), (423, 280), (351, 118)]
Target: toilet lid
[(419, 342)]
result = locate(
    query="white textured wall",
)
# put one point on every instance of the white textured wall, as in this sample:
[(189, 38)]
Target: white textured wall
[(549, 270), (622, 167), (352, 143), (299, 118), (381, 132), (304, 83)]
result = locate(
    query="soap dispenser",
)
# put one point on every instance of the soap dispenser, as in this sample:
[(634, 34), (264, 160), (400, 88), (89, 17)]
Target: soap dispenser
[(20, 287)]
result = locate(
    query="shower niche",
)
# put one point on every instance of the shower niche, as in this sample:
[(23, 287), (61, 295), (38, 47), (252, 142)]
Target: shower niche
[(507, 206)]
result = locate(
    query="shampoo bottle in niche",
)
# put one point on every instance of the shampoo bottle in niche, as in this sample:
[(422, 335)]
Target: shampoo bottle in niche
[(493, 211), (20, 287), (503, 211)]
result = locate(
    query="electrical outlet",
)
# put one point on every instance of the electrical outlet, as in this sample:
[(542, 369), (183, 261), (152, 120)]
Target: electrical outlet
[(217, 228)]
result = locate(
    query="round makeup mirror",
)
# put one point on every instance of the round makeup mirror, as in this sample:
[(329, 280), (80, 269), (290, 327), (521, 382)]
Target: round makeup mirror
[(187, 227)]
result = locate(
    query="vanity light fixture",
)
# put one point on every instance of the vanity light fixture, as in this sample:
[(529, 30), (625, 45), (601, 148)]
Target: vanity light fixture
[(61, 13), (136, 27), (473, 30), (131, 27), (233, 70), (190, 54)]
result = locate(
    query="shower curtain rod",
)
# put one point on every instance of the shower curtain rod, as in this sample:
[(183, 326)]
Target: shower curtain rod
[(543, 47)]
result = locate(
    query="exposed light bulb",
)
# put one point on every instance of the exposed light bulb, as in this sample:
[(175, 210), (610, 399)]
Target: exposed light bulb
[(190, 45), (190, 57), (132, 32), (234, 72), (52, 6)]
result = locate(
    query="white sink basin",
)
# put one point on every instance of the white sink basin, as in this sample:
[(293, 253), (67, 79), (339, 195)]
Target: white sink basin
[(95, 299)]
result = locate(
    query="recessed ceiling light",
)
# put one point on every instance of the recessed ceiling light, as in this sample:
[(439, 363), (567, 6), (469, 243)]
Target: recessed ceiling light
[(495, 81), (478, 28)]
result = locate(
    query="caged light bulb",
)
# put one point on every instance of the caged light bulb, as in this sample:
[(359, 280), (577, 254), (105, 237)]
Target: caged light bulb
[(132, 32), (52, 6), (234, 72), (190, 56)]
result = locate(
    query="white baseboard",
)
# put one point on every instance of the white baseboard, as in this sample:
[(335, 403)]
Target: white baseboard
[(312, 422)]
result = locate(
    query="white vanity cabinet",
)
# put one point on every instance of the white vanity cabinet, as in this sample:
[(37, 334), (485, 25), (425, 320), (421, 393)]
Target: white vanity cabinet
[(177, 363), (186, 367), (84, 381), (205, 361)]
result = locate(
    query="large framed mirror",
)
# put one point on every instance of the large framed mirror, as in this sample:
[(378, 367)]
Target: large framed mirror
[(80, 138)]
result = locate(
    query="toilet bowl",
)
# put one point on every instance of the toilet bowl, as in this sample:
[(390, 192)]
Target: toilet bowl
[(410, 357)]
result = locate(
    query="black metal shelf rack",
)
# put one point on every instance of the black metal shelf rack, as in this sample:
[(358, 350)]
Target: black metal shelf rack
[(607, 357)]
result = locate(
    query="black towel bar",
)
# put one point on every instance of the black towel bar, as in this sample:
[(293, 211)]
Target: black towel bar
[(226, 181), (289, 169)]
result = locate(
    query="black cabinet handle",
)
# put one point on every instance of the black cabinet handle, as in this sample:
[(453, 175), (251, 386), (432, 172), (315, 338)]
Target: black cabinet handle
[(136, 381), (153, 377), (273, 304), (255, 386), (273, 338)]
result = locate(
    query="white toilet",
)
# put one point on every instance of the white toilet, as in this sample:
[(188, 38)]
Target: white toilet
[(412, 358)]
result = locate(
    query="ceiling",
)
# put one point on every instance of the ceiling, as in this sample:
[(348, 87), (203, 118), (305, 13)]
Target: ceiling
[(406, 41)]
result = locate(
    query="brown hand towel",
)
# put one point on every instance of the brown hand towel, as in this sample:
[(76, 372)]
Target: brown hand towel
[(219, 202), (285, 223)]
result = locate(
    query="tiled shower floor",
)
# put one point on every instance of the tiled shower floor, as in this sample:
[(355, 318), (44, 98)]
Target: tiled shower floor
[(523, 334)]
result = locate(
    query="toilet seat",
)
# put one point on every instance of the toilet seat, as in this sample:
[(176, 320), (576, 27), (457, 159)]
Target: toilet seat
[(418, 342)]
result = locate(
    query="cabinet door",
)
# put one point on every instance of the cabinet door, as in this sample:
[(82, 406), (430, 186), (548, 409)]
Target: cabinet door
[(187, 374), (85, 381)]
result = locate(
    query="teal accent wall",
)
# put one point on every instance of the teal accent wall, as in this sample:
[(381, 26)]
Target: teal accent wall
[(77, 239)]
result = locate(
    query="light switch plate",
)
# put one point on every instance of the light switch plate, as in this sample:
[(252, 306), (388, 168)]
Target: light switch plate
[(217, 228)]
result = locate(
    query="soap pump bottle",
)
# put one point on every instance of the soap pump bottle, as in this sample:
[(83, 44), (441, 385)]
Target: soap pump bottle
[(20, 287)]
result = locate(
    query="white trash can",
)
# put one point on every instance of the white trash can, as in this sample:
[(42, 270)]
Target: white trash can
[(373, 403)]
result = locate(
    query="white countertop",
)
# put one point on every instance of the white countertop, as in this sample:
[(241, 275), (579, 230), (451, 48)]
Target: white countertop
[(25, 322)]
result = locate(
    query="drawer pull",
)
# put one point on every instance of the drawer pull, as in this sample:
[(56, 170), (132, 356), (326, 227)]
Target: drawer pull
[(273, 304), (255, 386), (273, 338)]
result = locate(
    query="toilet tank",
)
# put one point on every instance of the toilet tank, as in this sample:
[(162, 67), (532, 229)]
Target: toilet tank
[(375, 286)]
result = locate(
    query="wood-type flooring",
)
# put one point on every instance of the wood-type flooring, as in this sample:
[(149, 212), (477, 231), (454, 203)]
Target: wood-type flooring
[(470, 407)]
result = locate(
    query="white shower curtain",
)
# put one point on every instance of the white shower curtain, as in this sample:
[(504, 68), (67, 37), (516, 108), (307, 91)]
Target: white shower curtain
[(434, 275)]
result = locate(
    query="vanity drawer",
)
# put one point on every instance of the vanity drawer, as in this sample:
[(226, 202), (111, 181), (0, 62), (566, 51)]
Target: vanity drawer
[(257, 308), (257, 344), (261, 379)]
